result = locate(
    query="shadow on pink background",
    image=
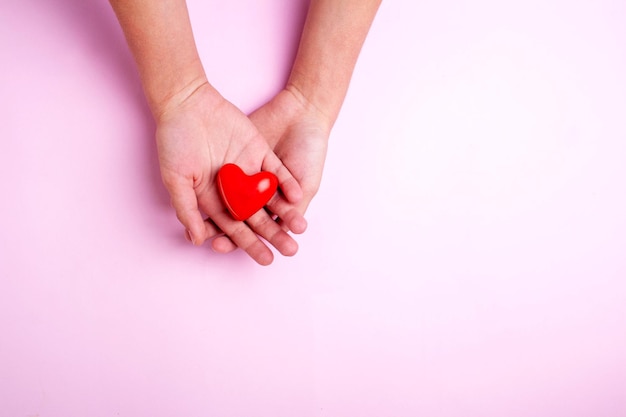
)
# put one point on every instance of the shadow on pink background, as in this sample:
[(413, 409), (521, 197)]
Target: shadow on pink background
[(466, 255)]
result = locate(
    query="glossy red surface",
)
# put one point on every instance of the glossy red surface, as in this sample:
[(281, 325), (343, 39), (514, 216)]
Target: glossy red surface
[(244, 194)]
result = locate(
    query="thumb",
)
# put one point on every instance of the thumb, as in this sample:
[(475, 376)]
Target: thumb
[(185, 203)]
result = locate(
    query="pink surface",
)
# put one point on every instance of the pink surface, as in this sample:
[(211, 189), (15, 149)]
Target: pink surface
[(466, 255)]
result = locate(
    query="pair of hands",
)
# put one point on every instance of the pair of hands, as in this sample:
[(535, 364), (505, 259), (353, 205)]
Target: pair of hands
[(203, 131)]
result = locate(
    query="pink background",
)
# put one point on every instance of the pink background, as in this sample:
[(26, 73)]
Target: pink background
[(466, 255)]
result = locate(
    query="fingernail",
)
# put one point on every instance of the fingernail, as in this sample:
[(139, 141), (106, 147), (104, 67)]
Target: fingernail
[(189, 237)]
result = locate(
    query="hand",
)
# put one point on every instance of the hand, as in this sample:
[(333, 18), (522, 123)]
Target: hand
[(198, 135), (298, 132)]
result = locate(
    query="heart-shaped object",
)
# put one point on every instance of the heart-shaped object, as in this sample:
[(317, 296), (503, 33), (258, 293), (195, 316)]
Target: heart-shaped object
[(244, 194)]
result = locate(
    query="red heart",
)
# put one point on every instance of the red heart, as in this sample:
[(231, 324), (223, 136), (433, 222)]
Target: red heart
[(244, 194)]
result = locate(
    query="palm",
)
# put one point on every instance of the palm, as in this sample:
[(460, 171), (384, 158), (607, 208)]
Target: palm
[(303, 152), (298, 136), (194, 140)]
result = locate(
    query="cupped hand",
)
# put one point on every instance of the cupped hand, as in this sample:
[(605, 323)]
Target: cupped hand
[(195, 137), (298, 133)]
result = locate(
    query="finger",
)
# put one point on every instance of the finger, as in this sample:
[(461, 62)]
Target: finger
[(223, 244), (289, 186), (289, 215), (211, 230), (214, 232), (237, 231), (242, 236), (185, 202), (264, 225)]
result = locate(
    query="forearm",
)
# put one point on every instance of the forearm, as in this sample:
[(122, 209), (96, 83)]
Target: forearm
[(331, 41), (160, 37)]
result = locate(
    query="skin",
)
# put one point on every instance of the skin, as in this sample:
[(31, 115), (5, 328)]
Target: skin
[(198, 130), (298, 121)]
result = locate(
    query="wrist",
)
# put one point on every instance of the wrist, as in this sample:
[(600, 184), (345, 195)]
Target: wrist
[(323, 116), (167, 93), (174, 98)]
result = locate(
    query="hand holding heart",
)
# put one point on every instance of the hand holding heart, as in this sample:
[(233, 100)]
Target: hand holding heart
[(198, 131), (194, 140)]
